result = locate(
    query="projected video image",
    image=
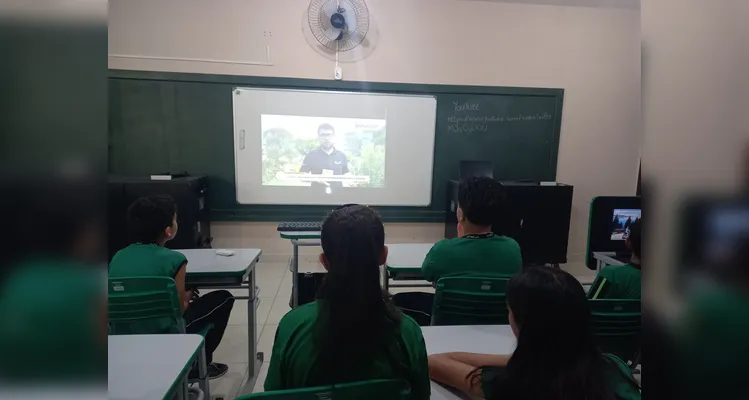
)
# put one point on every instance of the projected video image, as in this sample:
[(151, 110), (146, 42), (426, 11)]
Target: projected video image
[(621, 221), (323, 152)]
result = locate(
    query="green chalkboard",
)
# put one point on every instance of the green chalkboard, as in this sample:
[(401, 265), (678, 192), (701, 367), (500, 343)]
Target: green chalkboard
[(174, 122)]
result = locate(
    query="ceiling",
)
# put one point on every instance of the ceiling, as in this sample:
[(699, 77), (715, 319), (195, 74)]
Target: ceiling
[(627, 4)]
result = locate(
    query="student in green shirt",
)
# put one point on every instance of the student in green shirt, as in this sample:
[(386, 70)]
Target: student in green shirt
[(351, 332), (52, 291), (621, 281), (556, 357), (477, 251), (153, 222)]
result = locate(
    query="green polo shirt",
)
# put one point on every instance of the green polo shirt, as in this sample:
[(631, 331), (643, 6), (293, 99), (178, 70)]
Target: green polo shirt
[(618, 376), (295, 355), (473, 255), (53, 321), (144, 260), (617, 282)]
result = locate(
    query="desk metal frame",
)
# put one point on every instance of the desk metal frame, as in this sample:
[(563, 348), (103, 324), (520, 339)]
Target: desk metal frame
[(310, 239), (246, 281)]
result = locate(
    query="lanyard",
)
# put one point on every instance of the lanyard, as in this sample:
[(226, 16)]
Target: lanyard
[(479, 236)]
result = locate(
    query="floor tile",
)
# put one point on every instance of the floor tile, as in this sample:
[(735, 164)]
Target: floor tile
[(265, 344), (269, 286), (228, 386), (233, 347), (278, 310), (270, 270), (262, 310), (259, 383)]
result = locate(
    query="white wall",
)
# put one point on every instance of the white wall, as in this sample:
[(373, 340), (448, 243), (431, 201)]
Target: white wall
[(696, 123), (593, 53)]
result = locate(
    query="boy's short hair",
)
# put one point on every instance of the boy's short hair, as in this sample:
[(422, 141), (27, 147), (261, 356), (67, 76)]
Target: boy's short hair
[(635, 236), (480, 199), (148, 216)]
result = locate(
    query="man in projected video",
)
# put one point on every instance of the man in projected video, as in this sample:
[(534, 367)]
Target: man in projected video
[(325, 160)]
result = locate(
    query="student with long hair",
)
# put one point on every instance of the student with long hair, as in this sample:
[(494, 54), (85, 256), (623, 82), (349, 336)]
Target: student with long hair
[(556, 356), (351, 332)]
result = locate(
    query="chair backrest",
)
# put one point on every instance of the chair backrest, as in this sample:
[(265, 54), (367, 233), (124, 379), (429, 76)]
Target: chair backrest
[(617, 324), (374, 389), (144, 305), (470, 301)]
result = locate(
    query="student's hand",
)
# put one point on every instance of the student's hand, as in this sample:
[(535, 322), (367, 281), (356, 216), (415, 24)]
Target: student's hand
[(190, 293)]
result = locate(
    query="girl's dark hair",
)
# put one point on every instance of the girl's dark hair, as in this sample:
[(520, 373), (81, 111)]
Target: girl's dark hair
[(556, 356), (356, 319)]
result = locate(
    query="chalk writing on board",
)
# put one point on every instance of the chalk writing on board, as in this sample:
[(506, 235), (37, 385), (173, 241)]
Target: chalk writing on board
[(472, 123), (465, 106)]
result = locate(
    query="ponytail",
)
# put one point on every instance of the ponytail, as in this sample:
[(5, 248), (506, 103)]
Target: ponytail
[(356, 321)]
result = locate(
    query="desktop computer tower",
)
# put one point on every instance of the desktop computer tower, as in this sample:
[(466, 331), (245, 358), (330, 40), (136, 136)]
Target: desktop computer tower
[(537, 216), (189, 193)]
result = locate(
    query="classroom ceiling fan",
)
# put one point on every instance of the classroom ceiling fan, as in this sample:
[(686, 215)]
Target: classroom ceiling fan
[(338, 25)]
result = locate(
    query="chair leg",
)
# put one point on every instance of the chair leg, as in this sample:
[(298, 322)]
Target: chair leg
[(203, 374), (182, 393)]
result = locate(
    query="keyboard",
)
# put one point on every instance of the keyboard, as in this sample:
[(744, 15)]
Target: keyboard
[(299, 226)]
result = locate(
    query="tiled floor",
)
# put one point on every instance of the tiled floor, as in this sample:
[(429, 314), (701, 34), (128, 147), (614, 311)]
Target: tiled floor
[(274, 280)]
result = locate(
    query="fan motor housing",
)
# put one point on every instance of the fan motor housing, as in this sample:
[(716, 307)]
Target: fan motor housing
[(337, 20)]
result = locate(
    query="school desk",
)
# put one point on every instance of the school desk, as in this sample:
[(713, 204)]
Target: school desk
[(404, 263), (488, 339), (148, 367), (206, 269)]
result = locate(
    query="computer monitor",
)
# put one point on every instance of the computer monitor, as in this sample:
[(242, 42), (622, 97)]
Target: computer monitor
[(608, 225), (712, 230)]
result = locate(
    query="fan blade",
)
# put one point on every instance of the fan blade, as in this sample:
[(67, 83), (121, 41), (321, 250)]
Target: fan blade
[(350, 18), (332, 33), (328, 9)]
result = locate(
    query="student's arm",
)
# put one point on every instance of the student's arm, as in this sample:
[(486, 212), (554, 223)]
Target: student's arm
[(479, 360), (429, 266), (447, 371), (179, 279)]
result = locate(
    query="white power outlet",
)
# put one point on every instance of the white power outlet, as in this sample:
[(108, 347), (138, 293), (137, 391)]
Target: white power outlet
[(338, 73)]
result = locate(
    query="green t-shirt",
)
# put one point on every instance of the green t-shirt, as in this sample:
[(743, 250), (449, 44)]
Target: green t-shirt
[(294, 362), (618, 375), (713, 335), (53, 321), (617, 282), (145, 260), (473, 255)]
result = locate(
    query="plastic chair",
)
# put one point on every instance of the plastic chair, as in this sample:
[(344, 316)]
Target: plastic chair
[(616, 325), (470, 301), (150, 305), (375, 389)]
